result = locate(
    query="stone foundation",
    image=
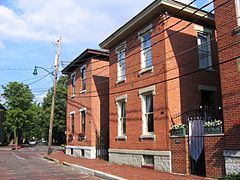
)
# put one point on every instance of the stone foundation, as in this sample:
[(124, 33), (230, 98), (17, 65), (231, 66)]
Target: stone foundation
[(232, 161), (81, 151), (162, 159)]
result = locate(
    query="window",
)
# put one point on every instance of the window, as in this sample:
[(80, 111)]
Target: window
[(122, 118), (121, 66), (149, 113), (83, 121), (146, 50), (72, 122), (204, 50), (238, 11), (146, 95), (73, 80), (121, 106), (84, 77)]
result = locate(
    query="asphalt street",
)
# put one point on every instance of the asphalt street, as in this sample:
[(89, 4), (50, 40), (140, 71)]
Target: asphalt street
[(29, 164)]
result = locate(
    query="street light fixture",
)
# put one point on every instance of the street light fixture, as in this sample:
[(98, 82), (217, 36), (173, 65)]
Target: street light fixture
[(58, 43), (35, 73)]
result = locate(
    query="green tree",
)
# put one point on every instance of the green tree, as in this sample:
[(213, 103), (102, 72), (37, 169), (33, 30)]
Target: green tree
[(59, 126), (18, 100)]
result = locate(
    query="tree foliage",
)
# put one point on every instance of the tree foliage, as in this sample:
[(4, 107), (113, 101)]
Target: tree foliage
[(18, 100), (59, 126)]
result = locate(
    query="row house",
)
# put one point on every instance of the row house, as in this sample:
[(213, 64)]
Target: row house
[(162, 73), (228, 33), (87, 104)]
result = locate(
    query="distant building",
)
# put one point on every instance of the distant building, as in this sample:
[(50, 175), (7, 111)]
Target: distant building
[(2, 117), (87, 104), (161, 74), (228, 33)]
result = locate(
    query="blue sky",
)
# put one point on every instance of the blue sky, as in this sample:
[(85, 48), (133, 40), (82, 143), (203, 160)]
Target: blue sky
[(28, 29)]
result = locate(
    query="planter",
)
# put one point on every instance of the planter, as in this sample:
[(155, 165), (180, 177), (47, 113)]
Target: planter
[(213, 130), (178, 132)]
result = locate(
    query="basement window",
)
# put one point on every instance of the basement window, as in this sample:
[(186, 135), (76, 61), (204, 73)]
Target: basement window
[(148, 161)]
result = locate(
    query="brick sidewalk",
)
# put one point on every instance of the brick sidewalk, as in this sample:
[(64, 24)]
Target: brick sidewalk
[(123, 171)]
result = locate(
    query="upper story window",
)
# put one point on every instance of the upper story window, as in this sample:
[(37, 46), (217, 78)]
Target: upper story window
[(73, 81), (121, 64), (238, 11), (146, 96), (146, 48), (83, 120), (72, 117), (121, 106), (204, 50), (84, 77)]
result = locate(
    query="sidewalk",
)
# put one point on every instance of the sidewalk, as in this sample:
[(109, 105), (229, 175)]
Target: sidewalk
[(105, 169)]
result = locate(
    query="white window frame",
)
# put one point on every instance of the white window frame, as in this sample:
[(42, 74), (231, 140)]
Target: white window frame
[(73, 83), (238, 11), (121, 49), (142, 94), (147, 30), (81, 124), (81, 70), (72, 114), (119, 100)]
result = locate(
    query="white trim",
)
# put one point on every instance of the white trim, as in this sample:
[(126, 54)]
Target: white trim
[(147, 89), (74, 73), (121, 137), (121, 98), (83, 109), (147, 29), (71, 113), (121, 47), (200, 28), (145, 152), (144, 70), (237, 4), (82, 67), (207, 88), (148, 136)]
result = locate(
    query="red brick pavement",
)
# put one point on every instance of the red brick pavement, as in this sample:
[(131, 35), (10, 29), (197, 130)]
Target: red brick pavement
[(123, 171)]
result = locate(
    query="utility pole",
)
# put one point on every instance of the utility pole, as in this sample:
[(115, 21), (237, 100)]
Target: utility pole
[(58, 44)]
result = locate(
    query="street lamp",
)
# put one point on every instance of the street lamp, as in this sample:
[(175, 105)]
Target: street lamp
[(58, 43), (38, 67)]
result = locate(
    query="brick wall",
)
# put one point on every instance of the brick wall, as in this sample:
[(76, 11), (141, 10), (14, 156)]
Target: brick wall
[(229, 47), (95, 100), (214, 159), (172, 97), (179, 150)]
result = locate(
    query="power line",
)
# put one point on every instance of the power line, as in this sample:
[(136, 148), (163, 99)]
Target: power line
[(173, 56), (171, 34)]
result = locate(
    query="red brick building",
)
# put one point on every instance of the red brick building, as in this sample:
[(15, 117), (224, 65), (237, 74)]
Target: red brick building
[(228, 33), (87, 104), (161, 68)]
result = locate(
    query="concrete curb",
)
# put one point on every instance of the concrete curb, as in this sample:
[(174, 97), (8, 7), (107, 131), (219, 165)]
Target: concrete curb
[(51, 159), (93, 172)]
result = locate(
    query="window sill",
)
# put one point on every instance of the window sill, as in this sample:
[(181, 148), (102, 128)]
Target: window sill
[(72, 97), (121, 138), (236, 30), (83, 91), (207, 69), (145, 70), (147, 136), (120, 81)]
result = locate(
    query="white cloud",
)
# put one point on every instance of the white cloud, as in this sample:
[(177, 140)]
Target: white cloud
[(74, 20), (2, 46)]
